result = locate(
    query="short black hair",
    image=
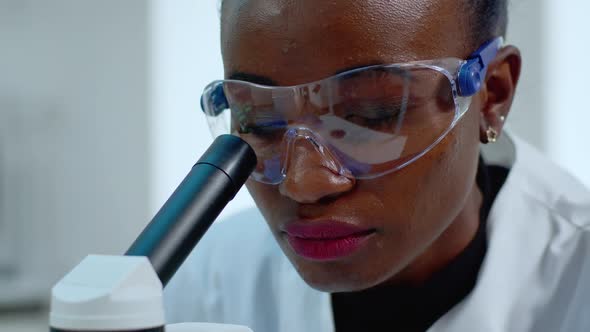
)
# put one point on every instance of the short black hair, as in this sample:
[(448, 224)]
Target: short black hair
[(487, 19)]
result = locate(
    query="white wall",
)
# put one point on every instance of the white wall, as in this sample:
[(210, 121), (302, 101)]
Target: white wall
[(186, 57), (74, 115), (551, 109), (567, 72), (526, 30)]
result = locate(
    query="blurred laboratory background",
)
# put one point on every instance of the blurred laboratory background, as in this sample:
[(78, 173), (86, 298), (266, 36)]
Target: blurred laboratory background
[(100, 120)]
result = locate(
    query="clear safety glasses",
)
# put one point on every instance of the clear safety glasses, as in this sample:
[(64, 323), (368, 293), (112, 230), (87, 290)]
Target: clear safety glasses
[(365, 122)]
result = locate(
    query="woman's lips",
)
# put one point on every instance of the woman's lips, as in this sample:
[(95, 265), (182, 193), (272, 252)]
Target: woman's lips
[(326, 240)]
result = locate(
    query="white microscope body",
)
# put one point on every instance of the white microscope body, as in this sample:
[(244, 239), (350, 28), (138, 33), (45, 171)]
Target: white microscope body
[(124, 293), (116, 293)]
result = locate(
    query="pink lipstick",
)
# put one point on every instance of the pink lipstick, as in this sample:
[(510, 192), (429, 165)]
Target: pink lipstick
[(326, 240)]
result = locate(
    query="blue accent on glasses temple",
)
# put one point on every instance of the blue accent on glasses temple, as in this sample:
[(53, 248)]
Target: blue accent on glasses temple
[(473, 72), (218, 100)]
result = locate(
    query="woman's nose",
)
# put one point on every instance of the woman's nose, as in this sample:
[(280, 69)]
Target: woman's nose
[(312, 176)]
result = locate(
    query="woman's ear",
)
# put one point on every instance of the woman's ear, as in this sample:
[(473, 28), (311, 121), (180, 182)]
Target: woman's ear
[(498, 92)]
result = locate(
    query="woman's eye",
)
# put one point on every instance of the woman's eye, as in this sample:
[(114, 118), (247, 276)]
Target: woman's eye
[(374, 116), (259, 121), (262, 129)]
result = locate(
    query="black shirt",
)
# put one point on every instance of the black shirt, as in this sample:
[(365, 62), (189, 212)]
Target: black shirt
[(417, 308)]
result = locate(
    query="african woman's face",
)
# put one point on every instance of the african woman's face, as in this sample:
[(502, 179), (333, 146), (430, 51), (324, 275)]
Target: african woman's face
[(406, 217)]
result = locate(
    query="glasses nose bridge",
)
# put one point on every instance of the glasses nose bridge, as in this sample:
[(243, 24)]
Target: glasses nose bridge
[(295, 135), (299, 133)]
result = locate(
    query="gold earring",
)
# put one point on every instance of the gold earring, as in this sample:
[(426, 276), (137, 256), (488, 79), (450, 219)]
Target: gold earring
[(492, 135)]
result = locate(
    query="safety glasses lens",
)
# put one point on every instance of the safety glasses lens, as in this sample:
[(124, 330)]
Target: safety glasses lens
[(372, 120)]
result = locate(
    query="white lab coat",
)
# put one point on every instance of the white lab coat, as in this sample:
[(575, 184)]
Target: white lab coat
[(535, 276)]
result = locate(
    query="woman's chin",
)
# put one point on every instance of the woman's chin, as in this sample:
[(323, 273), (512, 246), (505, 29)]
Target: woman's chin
[(333, 285), (335, 277)]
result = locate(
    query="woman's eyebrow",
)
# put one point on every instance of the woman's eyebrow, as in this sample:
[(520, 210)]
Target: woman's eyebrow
[(252, 78), (376, 63)]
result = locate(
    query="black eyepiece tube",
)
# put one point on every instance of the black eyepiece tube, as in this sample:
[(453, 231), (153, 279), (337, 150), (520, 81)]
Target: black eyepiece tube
[(193, 207)]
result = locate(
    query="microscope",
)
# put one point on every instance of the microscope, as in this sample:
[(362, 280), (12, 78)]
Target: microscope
[(124, 293)]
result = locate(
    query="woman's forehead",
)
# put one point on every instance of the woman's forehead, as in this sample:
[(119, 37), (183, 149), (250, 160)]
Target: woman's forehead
[(296, 41)]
